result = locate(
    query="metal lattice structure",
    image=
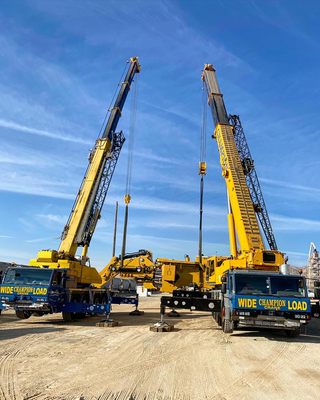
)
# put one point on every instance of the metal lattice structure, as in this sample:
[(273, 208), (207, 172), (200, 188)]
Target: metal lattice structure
[(252, 180), (105, 180), (313, 268)]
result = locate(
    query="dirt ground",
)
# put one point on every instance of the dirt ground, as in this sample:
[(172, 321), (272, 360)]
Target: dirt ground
[(45, 358)]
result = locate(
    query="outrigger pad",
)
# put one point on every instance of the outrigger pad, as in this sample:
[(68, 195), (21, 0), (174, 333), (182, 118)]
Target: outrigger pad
[(107, 323), (136, 312), (161, 327)]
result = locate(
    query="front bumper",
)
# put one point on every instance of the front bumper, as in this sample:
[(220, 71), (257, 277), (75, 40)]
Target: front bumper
[(28, 306), (271, 322)]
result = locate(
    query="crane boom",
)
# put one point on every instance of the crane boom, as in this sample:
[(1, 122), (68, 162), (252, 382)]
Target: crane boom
[(242, 209), (102, 161)]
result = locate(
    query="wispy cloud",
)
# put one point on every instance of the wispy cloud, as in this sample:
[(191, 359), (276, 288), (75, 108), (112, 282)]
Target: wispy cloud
[(40, 240), (17, 256), (279, 16), (53, 218), (32, 185), (284, 223), (40, 132), (162, 205), (288, 185)]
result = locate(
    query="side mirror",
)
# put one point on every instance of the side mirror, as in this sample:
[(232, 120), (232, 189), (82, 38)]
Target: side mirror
[(224, 288)]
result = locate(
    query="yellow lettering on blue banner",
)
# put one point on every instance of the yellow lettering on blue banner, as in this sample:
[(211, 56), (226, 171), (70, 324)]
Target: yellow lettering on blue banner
[(297, 305), (23, 290), (247, 303), (273, 304)]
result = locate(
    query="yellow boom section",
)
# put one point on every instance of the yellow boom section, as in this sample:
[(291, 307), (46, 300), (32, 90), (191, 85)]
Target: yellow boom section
[(244, 216), (69, 244), (241, 215)]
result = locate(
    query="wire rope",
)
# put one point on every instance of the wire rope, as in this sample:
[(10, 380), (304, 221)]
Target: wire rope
[(132, 123)]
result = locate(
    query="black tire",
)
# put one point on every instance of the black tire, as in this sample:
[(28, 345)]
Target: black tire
[(23, 314), (80, 315), (38, 314), (227, 326), (68, 316), (217, 317), (293, 333)]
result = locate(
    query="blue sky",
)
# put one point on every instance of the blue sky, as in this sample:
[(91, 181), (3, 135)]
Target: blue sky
[(60, 64)]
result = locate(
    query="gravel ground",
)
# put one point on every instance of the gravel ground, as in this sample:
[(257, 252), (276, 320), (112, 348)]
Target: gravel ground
[(45, 358)]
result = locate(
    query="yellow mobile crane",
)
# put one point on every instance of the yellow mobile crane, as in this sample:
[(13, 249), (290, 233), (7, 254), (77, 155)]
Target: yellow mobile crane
[(245, 288), (245, 201), (59, 280)]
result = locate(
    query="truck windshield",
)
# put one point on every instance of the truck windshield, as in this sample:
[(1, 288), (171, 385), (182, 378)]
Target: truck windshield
[(251, 284), (270, 285), (288, 286), (26, 276)]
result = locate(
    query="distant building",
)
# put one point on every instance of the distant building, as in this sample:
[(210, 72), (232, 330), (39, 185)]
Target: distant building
[(313, 268)]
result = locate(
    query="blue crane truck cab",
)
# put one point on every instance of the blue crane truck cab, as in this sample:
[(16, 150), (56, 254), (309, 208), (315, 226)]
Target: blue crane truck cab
[(39, 291), (261, 299)]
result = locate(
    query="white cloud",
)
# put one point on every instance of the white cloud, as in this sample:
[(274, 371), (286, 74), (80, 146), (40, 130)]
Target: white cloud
[(60, 219), (40, 240), (286, 223), (41, 132), (25, 183), (291, 186)]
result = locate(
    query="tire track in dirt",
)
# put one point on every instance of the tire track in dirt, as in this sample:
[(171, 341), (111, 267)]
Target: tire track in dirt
[(158, 359), (146, 365), (252, 379), (8, 380), (243, 383)]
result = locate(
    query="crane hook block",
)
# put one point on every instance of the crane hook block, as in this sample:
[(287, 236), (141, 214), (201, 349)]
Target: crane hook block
[(202, 168), (127, 199)]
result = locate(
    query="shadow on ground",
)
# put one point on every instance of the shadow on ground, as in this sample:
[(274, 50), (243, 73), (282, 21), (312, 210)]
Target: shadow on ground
[(124, 319), (7, 334)]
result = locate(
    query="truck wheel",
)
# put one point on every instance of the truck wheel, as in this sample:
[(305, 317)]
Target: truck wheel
[(80, 315), (294, 333), (38, 314), (68, 316), (23, 314), (227, 326)]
